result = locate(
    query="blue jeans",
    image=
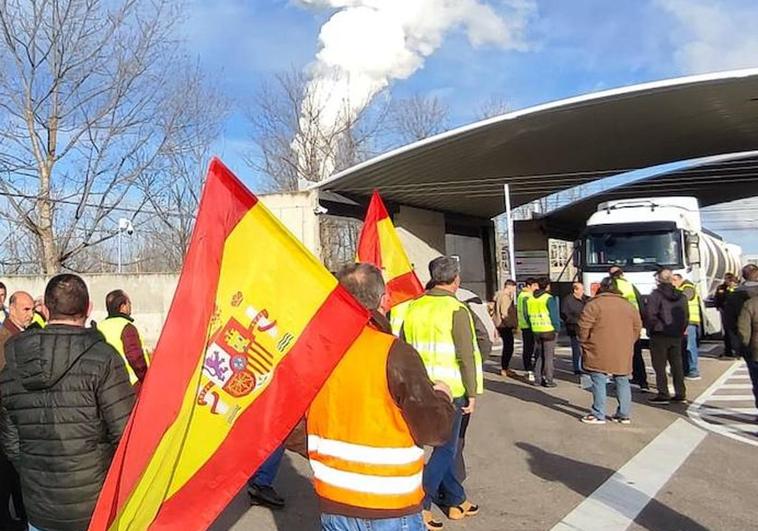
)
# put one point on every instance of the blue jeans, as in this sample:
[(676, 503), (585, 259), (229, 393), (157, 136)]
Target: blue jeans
[(440, 482), (576, 354), (336, 522), (623, 393), (265, 475), (691, 367)]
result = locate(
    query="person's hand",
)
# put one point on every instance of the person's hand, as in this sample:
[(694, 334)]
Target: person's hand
[(442, 386), (469, 409)]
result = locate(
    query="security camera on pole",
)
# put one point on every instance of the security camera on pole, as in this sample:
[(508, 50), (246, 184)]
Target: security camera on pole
[(124, 225)]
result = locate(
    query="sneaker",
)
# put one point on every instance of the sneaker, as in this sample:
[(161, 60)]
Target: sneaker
[(660, 400), (266, 496), (429, 522), (621, 420), (508, 373), (459, 512), (693, 377), (646, 389), (530, 376), (679, 400), (549, 385), (592, 419)]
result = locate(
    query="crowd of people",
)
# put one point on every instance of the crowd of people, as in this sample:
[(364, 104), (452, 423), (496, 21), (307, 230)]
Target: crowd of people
[(67, 389)]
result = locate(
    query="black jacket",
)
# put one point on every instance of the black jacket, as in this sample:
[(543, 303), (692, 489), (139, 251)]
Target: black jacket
[(666, 312), (734, 301), (571, 310), (66, 398)]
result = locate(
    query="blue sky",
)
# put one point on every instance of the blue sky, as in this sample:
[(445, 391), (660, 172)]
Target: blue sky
[(571, 47)]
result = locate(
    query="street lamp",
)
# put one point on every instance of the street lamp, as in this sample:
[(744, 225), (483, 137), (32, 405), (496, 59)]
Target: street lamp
[(124, 226)]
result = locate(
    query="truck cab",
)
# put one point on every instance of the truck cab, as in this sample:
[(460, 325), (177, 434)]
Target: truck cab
[(643, 235)]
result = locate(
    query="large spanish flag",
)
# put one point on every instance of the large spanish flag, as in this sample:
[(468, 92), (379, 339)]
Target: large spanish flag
[(256, 326), (380, 245)]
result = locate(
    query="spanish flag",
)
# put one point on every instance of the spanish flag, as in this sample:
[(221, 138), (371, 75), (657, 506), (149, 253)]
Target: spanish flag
[(255, 328), (380, 245)]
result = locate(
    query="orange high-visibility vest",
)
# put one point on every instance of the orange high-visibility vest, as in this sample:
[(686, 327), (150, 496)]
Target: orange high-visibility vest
[(360, 447)]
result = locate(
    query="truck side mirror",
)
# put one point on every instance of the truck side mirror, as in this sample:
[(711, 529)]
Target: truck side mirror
[(693, 249)]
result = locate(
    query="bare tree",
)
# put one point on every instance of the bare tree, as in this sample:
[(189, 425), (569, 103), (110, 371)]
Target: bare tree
[(92, 101), (291, 142), (418, 117), (493, 106)]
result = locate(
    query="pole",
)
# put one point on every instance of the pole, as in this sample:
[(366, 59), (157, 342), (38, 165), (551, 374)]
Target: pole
[(509, 222), (120, 232)]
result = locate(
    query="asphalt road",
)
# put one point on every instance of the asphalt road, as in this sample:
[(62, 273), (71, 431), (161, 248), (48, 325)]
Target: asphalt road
[(532, 463)]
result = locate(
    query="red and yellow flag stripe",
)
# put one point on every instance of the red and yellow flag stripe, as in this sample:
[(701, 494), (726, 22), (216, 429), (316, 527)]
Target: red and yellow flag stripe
[(255, 328), (379, 244)]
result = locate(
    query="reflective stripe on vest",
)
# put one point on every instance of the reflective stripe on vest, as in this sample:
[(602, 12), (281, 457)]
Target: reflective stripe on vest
[(112, 328), (428, 328), (397, 316), (539, 313), (692, 305), (523, 324), (627, 291), (359, 446)]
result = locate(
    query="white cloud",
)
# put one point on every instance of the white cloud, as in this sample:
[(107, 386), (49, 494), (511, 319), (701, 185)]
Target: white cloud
[(714, 35)]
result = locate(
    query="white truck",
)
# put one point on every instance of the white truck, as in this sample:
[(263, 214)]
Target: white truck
[(642, 235)]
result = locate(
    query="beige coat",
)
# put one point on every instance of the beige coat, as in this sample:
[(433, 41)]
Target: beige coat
[(505, 310), (608, 328)]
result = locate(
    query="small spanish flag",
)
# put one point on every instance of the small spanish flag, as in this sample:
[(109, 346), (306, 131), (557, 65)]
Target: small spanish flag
[(380, 245), (256, 326)]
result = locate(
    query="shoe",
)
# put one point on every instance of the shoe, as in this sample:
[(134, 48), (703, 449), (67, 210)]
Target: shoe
[(530, 376), (549, 385), (265, 495), (621, 420), (429, 522), (679, 400), (660, 400), (592, 419), (646, 389), (508, 373), (693, 377), (459, 512)]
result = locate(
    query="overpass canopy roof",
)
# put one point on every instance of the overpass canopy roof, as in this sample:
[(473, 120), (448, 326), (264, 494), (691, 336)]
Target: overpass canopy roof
[(548, 148)]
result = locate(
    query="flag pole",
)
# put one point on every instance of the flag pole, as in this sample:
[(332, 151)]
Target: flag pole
[(509, 222)]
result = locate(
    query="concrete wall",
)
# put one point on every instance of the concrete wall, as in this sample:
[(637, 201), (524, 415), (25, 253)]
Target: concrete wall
[(423, 235), (470, 250), (151, 296), (297, 211)]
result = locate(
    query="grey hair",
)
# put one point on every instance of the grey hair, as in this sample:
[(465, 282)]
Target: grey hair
[(444, 269), (364, 282)]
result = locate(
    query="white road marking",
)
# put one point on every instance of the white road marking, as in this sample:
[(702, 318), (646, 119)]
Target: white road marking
[(731, 398), (737, 386), (705, 412), (618, 501)]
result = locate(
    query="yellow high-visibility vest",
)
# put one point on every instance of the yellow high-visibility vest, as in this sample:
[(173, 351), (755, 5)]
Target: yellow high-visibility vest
[(539, 314), (39, 320), (627, 291), (694, 304), (523, 324), (397, 316), (428, 327), (112, 328)]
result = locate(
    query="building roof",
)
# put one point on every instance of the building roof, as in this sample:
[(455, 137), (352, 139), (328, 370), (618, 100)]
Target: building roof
[(544, 149)]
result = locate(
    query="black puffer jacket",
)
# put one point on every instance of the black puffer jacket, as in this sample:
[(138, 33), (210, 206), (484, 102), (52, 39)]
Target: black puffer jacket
[(65, 400), (666, 312)]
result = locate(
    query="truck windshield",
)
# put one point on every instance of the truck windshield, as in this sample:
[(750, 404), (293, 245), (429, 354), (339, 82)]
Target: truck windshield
[(641, 251)]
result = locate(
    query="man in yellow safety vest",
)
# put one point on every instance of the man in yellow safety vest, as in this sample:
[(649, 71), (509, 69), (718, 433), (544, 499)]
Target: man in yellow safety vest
[(544, 322), (630, 293), (527, 337), (441, 329), (689, 350), (120, 332)]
